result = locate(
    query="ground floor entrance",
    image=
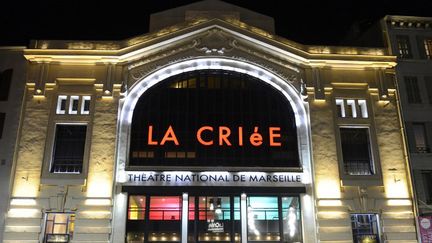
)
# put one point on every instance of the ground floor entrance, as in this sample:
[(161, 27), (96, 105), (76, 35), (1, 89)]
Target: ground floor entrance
[(212, 216)]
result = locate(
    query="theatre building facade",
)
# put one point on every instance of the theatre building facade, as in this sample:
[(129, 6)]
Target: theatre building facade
[(211, 129)]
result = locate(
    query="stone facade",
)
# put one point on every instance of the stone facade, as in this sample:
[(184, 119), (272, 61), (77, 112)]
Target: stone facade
[(114, 73)]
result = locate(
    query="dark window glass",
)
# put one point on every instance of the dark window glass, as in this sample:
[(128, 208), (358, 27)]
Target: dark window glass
[(5, 82), (404, 47), (213, 98), (75, 104), (365, 228), (428, 82), (412, 90), (2, 122), (69, 149), (356, 152), (63, 105), (86, 105), (420, 140), (427, 182)]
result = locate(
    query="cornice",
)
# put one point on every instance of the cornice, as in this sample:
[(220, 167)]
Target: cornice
[(238, 34)]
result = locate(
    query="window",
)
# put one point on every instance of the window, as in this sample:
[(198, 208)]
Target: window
[(85, 105), (68, 152), (352, 108), (356, 152), (428, 48), (412, 90), (218, 219), (61, 104), (427, 183), (2, 121), (265, 222), (75, 106), (365, 228), (428, 83), (420, 140), (404, 47), (59, 227), (5, 82), (162, 215)]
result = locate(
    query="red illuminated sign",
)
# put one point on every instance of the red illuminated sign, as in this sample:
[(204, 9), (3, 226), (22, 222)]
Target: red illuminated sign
[(220, 136)]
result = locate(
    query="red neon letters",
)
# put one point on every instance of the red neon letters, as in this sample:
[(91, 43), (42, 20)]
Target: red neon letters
[(208, 136)]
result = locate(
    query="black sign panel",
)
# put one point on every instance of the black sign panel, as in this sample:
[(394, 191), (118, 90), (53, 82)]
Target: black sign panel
[(213, 118)]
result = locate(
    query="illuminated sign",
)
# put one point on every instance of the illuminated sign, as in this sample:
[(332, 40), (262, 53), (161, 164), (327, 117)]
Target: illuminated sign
[(215, 227), (210, 178), (223, 134), (213, 118)]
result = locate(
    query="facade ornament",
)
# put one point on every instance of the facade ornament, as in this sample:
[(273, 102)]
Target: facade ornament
[(214, 42)]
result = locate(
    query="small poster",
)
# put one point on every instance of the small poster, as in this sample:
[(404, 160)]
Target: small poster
[(425, 229), (215, 227)]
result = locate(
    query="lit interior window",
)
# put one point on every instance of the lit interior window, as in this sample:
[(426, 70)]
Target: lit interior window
[(59, 227), (61, 104), (73, 104), (165, 208), (137, 206)]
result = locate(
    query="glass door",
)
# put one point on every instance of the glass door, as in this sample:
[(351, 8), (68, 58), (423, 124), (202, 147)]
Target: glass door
[(214, 219)]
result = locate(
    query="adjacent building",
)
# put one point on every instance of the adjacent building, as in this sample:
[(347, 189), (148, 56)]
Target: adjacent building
[(410, 39), (12, 83), (210, 128)]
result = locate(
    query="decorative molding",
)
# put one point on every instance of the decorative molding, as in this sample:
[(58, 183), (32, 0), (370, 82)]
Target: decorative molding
[(215, 41)]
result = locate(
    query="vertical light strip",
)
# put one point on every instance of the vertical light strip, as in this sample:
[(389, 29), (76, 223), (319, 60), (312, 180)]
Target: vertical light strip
[(185, 215), (243, 217)]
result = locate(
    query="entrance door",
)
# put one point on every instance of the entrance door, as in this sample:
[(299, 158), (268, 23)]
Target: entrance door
[(214, 219)]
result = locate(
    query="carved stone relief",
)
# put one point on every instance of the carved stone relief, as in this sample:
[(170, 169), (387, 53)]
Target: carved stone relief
[(217, 43)]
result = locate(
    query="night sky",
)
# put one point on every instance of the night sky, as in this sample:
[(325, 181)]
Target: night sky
[(308, 22)]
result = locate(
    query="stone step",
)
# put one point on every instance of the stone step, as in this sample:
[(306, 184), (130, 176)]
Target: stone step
[(401, 236), (93, 215), (334, 237), (23, 229), (95, 230), (90, 237), (397, 222), (20, 241), (334, 222), (388, 229), (23, 222), (332, 209), (336, 241), (21, 236), (89, 241), (344, 229), (332, 215), (397, 215), (401, 241), (93, 222)]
